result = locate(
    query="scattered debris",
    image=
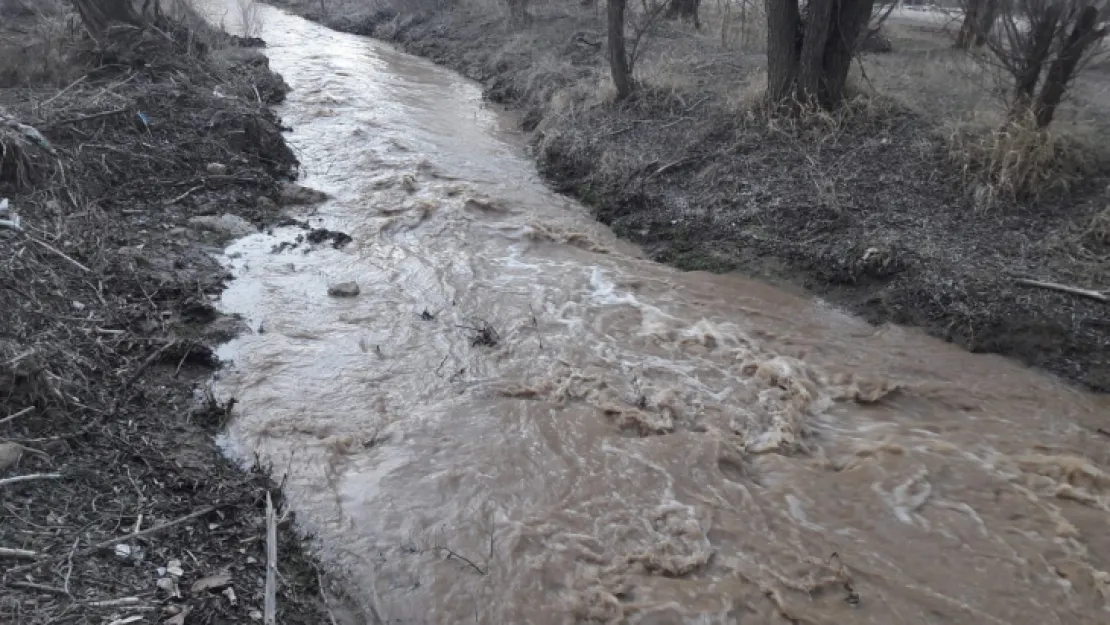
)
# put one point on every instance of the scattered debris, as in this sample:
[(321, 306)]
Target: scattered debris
[(484, 334), (344, 289)]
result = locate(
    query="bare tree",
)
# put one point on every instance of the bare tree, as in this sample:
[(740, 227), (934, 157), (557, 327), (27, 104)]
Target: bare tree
[(1049, 38), (978, 22), (684, 10), (809, 54), (518, 12), (618, 57), (98, 15)]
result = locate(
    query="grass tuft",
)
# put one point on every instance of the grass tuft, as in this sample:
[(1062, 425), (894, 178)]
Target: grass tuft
[(1016, 161)]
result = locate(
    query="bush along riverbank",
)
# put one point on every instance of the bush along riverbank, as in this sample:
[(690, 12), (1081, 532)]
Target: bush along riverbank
[(884, 207), (128, 160)]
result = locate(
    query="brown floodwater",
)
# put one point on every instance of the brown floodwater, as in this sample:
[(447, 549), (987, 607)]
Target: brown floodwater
[(520, 419)]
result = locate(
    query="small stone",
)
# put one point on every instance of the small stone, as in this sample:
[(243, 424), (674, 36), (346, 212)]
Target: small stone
[(265, 203), (255, 615), (226, 224), (173, 567), (344, 289), (230, 594), (169, 586), (296, 195), (216, 169), (212, 582), (123, 552)]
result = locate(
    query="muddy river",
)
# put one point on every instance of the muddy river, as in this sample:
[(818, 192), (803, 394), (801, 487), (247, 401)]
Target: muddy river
[(519, 419)]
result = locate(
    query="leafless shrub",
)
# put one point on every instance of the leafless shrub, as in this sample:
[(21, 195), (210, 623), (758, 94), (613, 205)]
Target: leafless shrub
[(1041, 45), (250, 18)]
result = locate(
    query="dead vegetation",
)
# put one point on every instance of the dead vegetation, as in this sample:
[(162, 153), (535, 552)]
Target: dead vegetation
[(116, 506)]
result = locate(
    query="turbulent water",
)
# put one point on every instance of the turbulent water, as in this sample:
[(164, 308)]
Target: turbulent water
[(520, 420)]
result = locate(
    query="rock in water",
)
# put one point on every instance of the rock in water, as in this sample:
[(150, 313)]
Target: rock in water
[(226, 224), (296, 195), (344, 289)]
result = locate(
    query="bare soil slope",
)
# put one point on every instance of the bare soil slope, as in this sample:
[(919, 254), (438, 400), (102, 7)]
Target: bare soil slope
[(114, 501)]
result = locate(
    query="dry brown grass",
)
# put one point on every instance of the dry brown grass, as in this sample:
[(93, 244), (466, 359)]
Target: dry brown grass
[(41, 52), (1014, 160)]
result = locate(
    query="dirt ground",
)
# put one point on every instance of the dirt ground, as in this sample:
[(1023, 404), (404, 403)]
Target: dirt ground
[(115, 504), (868, 208)]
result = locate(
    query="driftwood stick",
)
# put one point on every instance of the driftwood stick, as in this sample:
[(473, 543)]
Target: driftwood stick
[(1098, 296), (270, 601), (16, 415), (6, 552), (28, 478)]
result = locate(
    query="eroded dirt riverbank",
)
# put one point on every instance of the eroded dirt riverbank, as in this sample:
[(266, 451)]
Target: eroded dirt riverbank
[(517, 418), (152, 155)]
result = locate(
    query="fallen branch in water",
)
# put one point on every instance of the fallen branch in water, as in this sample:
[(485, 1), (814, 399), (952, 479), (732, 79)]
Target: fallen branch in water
[(1098, 296), (465, 559)]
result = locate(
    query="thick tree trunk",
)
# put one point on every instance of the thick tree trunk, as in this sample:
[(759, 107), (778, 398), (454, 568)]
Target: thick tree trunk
[(987, 17), (1043, 34), (1083, 35), (784, 24), (811, 60), (518, 12), (618, 57), (849, 19), (685, 10), (98, 15)]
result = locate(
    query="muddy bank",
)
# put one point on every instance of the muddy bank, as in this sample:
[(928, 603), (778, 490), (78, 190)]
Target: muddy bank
[(863, 209), (149, 155)]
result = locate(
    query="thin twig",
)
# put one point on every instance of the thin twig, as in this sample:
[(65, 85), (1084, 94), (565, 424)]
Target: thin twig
[(270, 600), (39, 587), (86, 118), (138, 372), (1098, 296), (13, 417), (177, 199), (28, 478), (111, 542), (61, 253), (465, 559), (112, 603)]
